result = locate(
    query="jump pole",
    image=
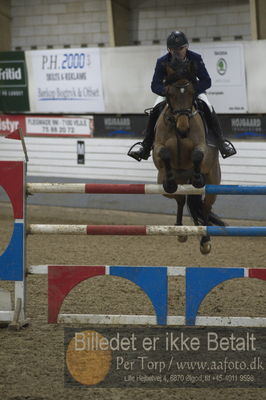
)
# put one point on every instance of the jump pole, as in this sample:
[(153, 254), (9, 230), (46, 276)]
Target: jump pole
[(107, 188), (146, 230)]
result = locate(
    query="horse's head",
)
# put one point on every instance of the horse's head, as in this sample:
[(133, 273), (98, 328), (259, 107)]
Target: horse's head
[(180, 93)]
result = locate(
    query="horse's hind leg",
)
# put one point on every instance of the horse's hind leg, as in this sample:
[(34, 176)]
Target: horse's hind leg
[(214, 177), (180, 200), (205, 242), (198, 180), (169, 182), (200, 217)]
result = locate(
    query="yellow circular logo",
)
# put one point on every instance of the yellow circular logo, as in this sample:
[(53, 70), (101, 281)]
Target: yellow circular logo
[(88, 357)]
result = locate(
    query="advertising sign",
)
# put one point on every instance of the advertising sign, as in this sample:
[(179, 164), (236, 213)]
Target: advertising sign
[(49, 126), (13, 82), (120, 126), (244, 127), (65, 80), (59, 126), (164, 357), (226, 66)]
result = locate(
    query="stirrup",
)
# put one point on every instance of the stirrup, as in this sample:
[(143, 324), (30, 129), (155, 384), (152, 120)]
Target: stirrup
[(227, 149), (140, 153)]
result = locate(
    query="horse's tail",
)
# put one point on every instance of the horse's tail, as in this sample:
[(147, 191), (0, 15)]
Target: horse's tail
[(195, 208)]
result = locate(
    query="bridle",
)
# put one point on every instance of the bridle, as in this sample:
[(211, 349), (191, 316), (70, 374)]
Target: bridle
[(188, 112)]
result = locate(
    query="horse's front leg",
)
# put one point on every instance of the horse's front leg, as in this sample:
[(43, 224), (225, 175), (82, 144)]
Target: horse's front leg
[(198, 179), (169, 181)]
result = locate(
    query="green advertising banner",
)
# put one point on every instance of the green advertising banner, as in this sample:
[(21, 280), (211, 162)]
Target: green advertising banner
[(13, 82)]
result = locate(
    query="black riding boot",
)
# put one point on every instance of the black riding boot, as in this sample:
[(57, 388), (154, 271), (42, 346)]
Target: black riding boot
[(226, 148), (143, 149)]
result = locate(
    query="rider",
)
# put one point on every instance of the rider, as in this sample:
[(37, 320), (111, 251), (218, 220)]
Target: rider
[(177, 45)]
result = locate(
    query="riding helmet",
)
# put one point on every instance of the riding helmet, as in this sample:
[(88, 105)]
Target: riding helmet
[(176, 39)]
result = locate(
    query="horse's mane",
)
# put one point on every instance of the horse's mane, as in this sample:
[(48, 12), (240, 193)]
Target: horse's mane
[(179, 69)]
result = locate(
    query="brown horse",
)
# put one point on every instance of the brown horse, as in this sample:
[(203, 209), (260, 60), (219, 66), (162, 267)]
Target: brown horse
[(180, 152)]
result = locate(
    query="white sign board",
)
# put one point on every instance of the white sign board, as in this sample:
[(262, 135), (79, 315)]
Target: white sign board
[(226, 66), (59, 126), (65, 80)]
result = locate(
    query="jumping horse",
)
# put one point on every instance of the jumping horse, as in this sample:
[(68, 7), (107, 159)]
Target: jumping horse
[(180, 151)]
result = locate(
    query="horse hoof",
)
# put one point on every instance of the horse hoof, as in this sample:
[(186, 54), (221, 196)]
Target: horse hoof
[(170, 186), (182, 239), (199, 181), (205, 248)]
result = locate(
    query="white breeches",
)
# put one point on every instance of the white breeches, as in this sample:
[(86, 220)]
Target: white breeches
[(204, 98), (158, 100)]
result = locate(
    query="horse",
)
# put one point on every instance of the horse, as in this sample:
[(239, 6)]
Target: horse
[(180, 152)]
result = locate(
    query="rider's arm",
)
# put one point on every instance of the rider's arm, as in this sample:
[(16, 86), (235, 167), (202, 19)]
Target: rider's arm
[(157, 85), (204, 80)]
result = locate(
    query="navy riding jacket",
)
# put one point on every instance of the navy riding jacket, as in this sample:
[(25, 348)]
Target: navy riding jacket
[(203, 78)]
